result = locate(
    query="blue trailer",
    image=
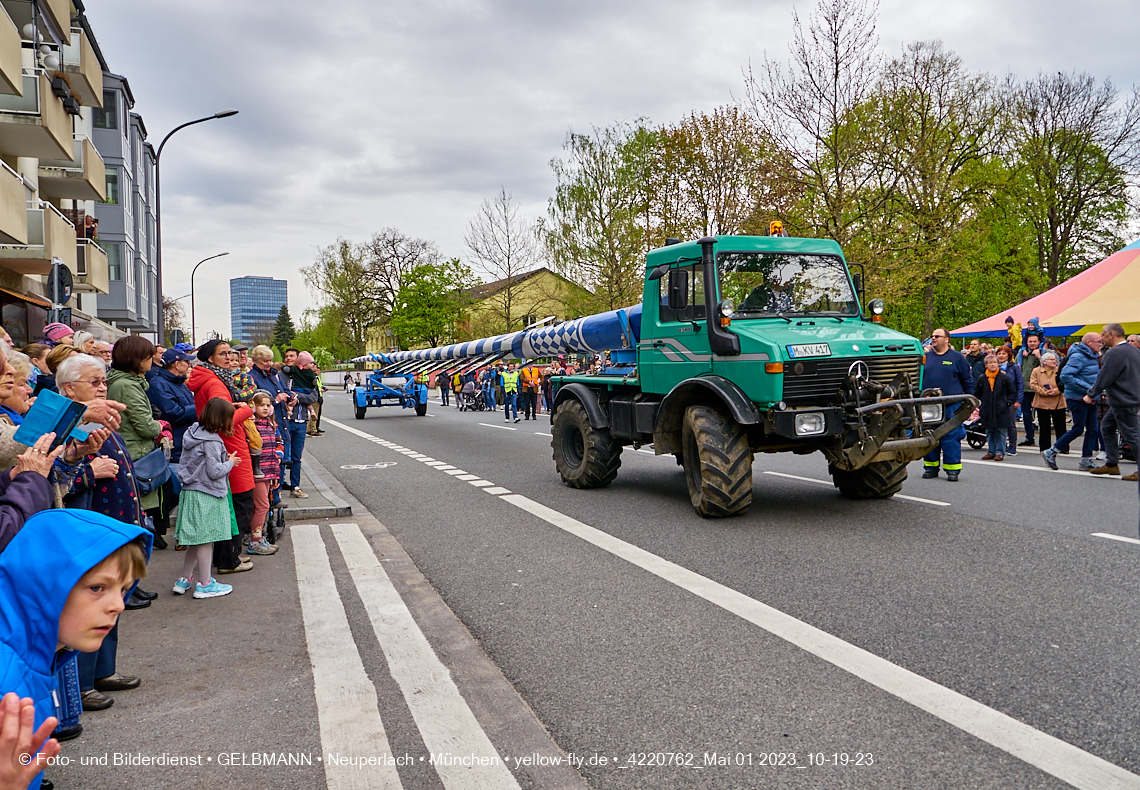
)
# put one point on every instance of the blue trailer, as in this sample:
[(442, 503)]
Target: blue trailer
[(388, 389)]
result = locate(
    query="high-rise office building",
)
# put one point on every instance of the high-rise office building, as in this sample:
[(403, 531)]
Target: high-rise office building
[(254, 305)]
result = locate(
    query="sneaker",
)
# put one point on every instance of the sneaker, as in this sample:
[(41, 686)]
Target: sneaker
[(1102, 456), (1050, 457), (182, 585), (517, 419), (242, 568), (214, 589), (1107, 469), (1086, 465), (297, 493), (1011, 451), (262, 547)]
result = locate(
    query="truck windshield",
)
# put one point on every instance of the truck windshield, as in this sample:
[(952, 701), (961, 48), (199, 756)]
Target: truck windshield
[(778, 283)]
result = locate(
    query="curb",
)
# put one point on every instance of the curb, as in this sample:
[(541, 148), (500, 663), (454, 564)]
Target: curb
[(336, 508)]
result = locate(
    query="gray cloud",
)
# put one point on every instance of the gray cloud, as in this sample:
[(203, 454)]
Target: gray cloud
[(357, 115)]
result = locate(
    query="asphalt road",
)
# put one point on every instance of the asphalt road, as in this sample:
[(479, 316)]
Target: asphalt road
[(989, 608)]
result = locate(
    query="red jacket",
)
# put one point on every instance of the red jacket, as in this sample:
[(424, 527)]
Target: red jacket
[(205, 385)]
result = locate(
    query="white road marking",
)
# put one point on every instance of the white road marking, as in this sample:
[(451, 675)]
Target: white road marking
[(829, 483), (479, 483), (497, 490), (444, 720), (454, 472), (466, 477), (1042, 468), (500, 427), (346, 699), (1115, 537), (542, 433), (424, 459), (1052, 755)]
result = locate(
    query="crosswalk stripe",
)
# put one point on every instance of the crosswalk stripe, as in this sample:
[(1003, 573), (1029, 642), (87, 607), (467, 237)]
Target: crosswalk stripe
[(346, 699), (443, 717)]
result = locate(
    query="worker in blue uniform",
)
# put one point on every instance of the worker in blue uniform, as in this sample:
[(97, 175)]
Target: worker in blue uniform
[(949, 371)]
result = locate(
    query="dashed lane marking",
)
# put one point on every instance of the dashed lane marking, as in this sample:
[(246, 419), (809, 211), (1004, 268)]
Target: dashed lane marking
[(1110, 536), (500, 427), (830, 483), (346, 699), (1007, 465), (1052, 755), (442, 716)]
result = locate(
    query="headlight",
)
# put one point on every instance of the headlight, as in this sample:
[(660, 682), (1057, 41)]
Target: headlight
[(810, 424), (930, 412), (877, 306)]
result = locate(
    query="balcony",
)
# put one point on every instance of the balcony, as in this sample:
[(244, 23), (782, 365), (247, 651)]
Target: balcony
[(82, 69), (92, 274), (10, 56), (35, 124), (50, 235), (13, 207), (83, 177), (59, 11)]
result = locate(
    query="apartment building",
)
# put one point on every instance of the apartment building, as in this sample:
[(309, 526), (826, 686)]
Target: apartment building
[(51, 175), (254, 305), (127, 219)]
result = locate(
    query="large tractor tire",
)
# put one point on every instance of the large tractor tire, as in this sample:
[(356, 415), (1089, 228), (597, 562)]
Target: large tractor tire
[(360, 412), (585, 457), (717, 462), (421, 409), (879, 480)]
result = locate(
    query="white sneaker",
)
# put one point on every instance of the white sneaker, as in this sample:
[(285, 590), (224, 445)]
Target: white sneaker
[(297, 493), (1102, 456)]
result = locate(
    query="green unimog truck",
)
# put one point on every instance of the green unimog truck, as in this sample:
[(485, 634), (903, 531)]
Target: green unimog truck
[(752, 344)]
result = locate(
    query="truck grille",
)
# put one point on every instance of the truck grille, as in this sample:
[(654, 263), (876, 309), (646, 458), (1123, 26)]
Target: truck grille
[(818, 382)]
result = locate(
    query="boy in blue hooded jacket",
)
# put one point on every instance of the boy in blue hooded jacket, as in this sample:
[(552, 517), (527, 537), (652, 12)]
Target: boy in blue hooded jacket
[(63, 581)]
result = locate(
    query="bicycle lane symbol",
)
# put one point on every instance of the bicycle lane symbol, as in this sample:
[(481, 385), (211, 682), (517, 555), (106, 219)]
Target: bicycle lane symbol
[(379, 465)]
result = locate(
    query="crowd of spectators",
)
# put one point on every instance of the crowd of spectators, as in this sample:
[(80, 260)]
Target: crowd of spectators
[(211, 435)]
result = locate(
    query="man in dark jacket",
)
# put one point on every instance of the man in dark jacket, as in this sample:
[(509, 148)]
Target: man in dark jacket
[(1119, 378), (949, 371), (169, 394)]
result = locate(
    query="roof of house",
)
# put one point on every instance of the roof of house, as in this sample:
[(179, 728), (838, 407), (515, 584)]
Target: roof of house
[(485, 290)]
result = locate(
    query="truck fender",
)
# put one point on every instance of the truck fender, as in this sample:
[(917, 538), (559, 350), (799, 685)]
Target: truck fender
[(714, 390), (589, 401), (360, 395)]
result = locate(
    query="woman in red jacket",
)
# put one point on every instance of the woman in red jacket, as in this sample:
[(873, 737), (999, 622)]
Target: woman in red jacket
[(214, 378)]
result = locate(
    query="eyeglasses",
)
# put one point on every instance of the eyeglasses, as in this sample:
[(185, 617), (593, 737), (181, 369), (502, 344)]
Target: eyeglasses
[(96, 383)]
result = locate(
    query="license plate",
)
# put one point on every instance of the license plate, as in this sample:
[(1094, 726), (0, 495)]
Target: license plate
[(809, 350)]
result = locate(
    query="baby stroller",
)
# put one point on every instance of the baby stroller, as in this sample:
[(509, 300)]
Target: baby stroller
[(975, 433), (480, 401), (467, 397)]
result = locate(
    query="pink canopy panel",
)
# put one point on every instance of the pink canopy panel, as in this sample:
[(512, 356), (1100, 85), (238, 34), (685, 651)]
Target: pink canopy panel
[(1108, 292)]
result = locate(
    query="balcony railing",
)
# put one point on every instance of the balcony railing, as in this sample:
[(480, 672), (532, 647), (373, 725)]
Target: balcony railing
[(13, 207), (35, 124), (92, 273), (83, 177), (50, 235), (80, 63)]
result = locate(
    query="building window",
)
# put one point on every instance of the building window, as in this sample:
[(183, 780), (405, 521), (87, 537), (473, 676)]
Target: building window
[(108, 117), (114, 260), (112, 185)]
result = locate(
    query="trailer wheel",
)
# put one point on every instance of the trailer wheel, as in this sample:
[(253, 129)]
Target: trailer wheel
[(718, 463), (421, 409), (361, 411), (879, 480), (586, 457)]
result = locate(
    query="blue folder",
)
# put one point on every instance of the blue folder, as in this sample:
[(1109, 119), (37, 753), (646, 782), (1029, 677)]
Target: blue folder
[(52, 412)]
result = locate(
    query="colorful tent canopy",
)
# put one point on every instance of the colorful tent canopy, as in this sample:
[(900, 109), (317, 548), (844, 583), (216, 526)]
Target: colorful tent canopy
[(1108, 292)]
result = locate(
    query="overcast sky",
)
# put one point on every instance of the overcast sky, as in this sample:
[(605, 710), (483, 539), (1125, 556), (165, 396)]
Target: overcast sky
[(362, 114)]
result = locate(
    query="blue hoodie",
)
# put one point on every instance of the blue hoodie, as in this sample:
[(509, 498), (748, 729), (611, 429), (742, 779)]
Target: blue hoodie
[(38, 570)]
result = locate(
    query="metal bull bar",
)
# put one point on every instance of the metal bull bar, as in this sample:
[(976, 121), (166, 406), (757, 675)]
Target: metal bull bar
[(911, 449)]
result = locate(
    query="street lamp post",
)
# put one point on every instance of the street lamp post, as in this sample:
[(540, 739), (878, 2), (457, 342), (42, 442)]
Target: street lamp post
[(158, 211), (193, 323)]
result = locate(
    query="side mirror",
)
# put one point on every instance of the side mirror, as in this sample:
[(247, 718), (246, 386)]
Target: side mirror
[(658, 272), (858, 280), (679, 289)]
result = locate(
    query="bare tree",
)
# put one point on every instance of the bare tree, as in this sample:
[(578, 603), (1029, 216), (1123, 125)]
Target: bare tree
[(806, 108), (1077, 144), (174, 316), (504, 246), (389, 256)]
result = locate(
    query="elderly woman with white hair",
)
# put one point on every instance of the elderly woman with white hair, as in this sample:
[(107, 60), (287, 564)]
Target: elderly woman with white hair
[(85, 342), (16, 405), (1048, 399)]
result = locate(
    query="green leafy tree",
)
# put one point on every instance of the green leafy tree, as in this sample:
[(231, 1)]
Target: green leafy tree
[(283, 330), (430, 304)]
